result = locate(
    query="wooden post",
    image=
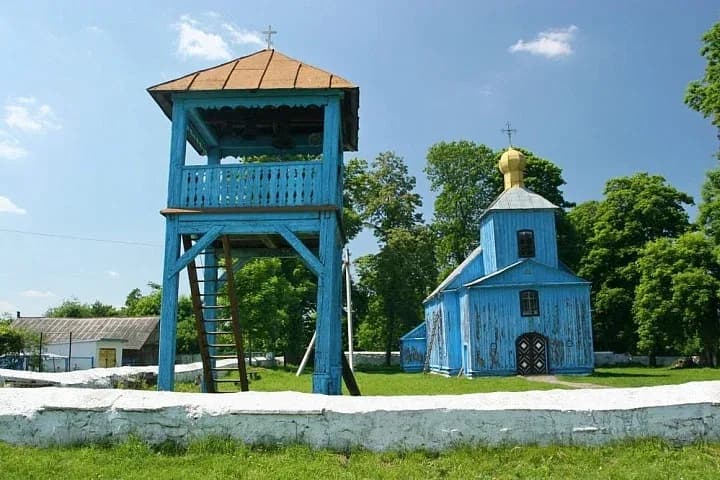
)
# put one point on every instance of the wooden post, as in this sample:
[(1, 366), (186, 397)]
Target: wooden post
[(328, 344), (168, 309)]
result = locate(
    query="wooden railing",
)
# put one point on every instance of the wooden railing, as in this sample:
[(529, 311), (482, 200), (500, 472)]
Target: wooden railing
[(285, 184)]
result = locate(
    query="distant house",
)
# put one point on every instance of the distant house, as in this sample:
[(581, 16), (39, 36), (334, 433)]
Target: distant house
[(97, 342)]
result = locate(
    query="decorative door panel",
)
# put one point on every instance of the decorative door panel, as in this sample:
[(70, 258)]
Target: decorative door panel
[(531, 354)]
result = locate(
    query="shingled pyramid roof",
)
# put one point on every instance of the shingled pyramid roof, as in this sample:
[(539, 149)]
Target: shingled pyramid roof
[(263, 70)]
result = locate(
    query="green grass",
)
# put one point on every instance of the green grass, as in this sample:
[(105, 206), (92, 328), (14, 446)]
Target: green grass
[(385, 381), (222, 459), (645, 376)]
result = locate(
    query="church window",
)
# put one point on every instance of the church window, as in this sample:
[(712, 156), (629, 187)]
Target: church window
[(526, 243), (529, 303)]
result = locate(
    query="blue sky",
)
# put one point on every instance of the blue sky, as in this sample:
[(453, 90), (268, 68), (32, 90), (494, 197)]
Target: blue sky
[(596, 87)]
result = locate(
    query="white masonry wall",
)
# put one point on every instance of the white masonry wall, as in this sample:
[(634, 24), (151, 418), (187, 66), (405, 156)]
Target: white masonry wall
[(677, 413)]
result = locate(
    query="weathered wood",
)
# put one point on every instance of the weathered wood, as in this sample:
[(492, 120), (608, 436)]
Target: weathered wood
[(199, 319), (305, 254), (234, 313), (168, 308), (201, 244), (349, 378)]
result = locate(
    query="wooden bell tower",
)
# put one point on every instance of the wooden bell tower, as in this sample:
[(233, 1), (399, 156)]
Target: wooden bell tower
[(271, 131)]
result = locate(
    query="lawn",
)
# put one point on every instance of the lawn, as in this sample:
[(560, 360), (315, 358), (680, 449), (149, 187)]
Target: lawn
[(222, 459), (391, 381), (385, 381), (645, 376)]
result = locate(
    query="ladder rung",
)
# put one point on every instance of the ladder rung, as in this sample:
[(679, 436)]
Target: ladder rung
[(226, 380), (224, 369), (215, 307), (218, 320), (221, 345), (223, 356), (218, 333)]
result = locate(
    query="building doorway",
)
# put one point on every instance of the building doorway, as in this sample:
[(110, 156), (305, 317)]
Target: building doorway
[(531, 354), (107, 358)]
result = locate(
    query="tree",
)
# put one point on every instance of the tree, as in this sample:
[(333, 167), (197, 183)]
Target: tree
[(677, 299), (12, 340), (467, 179), (383, 193), (394, 281), (74, 308), (703, 95), (636, 210), (709, 217)]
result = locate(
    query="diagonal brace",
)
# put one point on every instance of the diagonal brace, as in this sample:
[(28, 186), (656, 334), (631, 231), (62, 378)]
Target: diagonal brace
[(305, 254), (201, 244)]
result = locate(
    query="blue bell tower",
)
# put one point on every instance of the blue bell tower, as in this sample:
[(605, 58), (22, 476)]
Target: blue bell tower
[(271, 131)]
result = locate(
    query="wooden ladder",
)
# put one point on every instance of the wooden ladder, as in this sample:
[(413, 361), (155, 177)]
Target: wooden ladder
[(224, 332), (431, 344)]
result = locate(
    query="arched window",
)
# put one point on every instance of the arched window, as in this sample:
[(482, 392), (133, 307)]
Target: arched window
[(529, 303), (526, 243)]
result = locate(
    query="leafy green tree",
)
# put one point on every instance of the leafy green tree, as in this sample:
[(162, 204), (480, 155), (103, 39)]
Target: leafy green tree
[(677, 299), (704, 95), (12, 340), (466, 177), (636, 210), (74, 308), (383, 193), (709, 217), (396, 280)]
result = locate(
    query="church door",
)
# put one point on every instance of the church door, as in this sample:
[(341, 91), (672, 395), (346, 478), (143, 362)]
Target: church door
[(531, 354)]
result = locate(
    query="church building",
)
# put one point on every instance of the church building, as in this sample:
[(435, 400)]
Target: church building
[(511, 307)]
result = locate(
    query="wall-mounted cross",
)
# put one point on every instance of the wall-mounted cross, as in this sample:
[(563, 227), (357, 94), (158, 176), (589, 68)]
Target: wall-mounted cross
[(508, 131), (268, 36)]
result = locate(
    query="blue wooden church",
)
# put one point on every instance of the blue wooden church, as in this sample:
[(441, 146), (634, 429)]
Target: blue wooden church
[(511, 307), (271, 132)]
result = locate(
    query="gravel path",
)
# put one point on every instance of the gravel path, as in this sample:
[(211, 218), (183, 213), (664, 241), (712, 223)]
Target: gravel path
[(556, 381)]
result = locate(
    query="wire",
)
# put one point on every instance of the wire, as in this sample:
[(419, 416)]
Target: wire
[(88, 239)]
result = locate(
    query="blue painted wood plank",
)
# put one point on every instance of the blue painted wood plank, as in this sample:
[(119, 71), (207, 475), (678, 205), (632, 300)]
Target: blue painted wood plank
[(331, 151), (178, 143), (201, 244), (305, 254), (327, 373), (168, 308), (207, 136)]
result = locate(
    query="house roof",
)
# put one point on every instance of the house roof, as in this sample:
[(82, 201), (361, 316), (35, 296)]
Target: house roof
[(134, 330), (455, 273), (263, 70), (520, 198), (418, 332), (511, 274)]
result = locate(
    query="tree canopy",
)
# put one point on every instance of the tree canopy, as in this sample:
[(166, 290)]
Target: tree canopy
[(704, 95)]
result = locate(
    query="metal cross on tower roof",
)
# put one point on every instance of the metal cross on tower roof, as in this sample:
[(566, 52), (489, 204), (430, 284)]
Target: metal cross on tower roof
[(268, 36), (508, 131)]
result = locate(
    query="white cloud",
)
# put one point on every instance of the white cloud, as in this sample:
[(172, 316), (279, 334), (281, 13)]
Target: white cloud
[(112, 273), (553, 43), (241, 36), (94, 29), (37, 294), (193, 41), (7, 206), (22, 113), (10, 149)]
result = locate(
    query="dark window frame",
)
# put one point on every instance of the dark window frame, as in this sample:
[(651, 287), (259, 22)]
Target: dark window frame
[(529, 303), (526, 248)]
